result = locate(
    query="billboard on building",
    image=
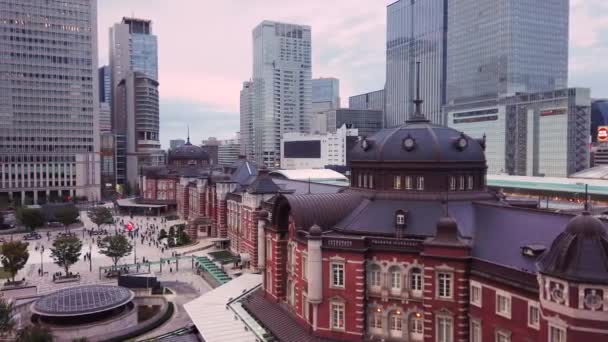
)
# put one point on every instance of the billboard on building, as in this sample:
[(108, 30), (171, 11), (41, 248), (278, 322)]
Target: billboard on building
[(602, 134)]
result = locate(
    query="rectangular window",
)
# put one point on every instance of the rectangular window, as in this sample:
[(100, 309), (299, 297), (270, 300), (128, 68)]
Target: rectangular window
[(408, 182), (420, 183), (444, 285), (503, 304), (268, 249), (452, 183), (359, 181), (305, 307), (475, 331), (304, 267), (396, 280), (416, 280), (397, 182), (365, 181), (374, 278), (503, 336), (337, 316), (557, 334), (376, 321), (475, 294), (400, 219), (371, 181), (461, 183), (444, 329), (337, 275), (533, 315), (470, 183)]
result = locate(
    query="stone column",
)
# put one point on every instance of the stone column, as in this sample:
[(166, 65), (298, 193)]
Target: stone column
[(261, 250)]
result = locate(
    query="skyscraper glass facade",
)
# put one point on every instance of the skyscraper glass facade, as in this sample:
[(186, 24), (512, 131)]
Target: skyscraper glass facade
[(416, 32), (48, 100), (325, 94), (506, 47)]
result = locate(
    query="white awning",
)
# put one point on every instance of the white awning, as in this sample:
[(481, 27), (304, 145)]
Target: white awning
[(213, 318)]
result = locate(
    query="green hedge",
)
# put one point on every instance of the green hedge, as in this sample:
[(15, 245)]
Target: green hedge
[(145, 329)]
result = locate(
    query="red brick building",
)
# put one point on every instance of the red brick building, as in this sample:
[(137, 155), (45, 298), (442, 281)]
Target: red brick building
[(418, 249)]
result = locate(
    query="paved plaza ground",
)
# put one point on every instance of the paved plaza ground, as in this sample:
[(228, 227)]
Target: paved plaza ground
[(185, 284)]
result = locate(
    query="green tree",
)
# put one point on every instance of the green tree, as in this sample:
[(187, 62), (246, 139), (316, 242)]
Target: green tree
[(172, 232), (31, 218), (100, 216), (34, 333), (182, 236), (115, 247), (14, 256), (66, 251), (7, 324), (67, 215)]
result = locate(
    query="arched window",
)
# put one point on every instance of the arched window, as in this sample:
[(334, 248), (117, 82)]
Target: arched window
[(416, 279), (375, 321)]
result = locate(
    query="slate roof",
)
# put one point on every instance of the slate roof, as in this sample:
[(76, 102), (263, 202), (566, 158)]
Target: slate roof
[(243, 172), (325, 209), (263, 185), (579, 253), (277, 320), (432, 143)]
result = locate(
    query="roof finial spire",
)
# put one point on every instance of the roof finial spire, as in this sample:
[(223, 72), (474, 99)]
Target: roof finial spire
[(418, 100), (417, 115), (188, 139)]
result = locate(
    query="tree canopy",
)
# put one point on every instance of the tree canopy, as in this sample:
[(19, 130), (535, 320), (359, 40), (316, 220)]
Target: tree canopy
[(14, 256), (115, 247), (7, 323), (67, 215), (66, 251), (34, 333), (100, 216), (31, 218)]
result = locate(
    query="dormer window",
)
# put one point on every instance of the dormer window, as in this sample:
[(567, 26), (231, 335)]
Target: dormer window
[(533, 250), (400, 219)]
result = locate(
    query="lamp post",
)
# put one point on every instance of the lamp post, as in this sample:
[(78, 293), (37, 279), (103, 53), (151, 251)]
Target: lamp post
[(90, 253), (41, 263), (586, 195)]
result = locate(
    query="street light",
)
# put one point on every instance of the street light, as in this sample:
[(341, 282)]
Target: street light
[(41, 264), (90, 253), (586, 195)]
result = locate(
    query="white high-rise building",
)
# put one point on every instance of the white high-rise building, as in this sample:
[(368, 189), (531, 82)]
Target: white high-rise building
[(282, 87), (49, 105)]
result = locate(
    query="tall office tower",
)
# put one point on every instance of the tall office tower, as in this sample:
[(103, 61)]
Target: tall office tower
[(105, 100), (506, 47), (246, 123), (325, 94), (136, 126), (48, 100), (282, 86), (373, 100), (134, 70), (105, 84), (416, 32)]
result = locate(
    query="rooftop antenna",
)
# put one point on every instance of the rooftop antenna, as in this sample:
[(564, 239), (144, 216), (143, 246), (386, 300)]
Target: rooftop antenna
[(188, 128)]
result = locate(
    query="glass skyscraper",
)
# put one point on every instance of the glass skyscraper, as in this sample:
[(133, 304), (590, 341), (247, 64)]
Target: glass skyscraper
[(49, 141), (325, 94), (416, 32), (498, 47)]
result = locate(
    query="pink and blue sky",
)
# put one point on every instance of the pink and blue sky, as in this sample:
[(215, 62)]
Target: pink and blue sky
[(205, 51)]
